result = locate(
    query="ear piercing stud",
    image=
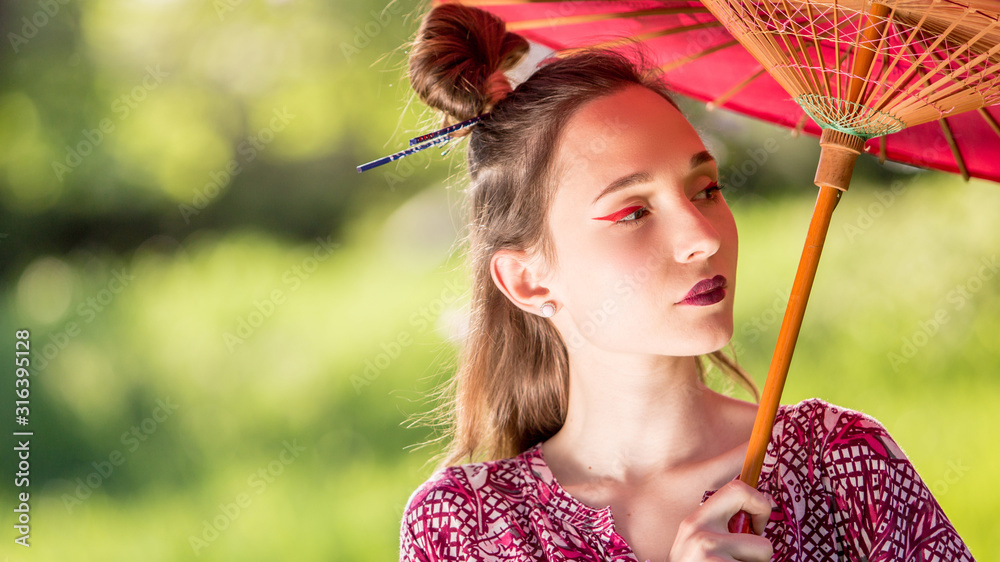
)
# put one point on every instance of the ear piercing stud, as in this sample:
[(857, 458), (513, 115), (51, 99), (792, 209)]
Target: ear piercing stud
[(547, 309)]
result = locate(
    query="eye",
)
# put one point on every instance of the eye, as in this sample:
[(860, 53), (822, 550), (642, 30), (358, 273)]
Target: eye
[(629, 216), (633, 218), (711, 193)]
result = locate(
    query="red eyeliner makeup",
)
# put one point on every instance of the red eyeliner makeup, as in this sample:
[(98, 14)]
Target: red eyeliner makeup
[(620, 214)]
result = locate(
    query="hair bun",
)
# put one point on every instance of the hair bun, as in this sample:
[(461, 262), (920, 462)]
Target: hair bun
[(457, 61)]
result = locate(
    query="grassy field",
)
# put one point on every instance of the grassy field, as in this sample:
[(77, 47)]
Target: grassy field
[(256, 392)]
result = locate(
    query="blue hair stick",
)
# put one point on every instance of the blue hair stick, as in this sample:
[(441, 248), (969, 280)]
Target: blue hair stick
[(446, 130), (402, 153)]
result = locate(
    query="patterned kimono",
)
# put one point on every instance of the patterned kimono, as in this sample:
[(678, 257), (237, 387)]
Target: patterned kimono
[(844, 491)]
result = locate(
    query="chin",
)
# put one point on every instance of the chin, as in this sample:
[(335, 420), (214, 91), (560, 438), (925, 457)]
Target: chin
[(711, 342)]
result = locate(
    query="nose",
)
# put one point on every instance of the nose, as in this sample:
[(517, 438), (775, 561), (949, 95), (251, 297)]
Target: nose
[(695, 237)]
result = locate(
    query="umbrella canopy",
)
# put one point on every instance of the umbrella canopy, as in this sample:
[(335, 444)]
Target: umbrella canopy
[(702, 59)]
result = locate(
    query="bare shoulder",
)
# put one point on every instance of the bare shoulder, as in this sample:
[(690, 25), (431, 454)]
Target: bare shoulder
[(737, 416)]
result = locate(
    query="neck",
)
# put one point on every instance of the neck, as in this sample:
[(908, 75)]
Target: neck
[(633, 417)]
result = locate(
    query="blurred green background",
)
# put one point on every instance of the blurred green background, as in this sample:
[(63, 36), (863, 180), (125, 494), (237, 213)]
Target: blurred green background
[(232, 330)]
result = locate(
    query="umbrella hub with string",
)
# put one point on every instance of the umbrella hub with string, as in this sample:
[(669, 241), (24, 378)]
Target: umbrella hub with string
[(860, 70)]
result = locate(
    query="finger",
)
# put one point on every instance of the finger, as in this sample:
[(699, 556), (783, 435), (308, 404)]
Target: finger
[(749, 548), (761, 519), (729, 546), (736, 495)]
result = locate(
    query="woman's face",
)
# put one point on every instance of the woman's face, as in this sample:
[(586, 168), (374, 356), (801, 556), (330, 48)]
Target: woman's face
[(636, 223)]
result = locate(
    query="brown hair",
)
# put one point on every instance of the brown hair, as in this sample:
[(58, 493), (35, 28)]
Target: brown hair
[(511, 386)]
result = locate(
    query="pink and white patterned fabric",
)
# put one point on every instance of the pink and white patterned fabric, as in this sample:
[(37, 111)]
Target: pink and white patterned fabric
[(844, 491)]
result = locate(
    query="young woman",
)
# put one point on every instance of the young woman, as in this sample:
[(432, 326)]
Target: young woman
[(603, 269)]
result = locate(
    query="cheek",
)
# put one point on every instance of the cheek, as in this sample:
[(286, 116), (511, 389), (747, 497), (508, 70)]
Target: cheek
[(602, 273), (726, 227), (734, 236)]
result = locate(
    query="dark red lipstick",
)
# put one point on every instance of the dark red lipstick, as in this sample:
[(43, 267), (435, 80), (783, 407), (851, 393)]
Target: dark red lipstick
[(706, 292)]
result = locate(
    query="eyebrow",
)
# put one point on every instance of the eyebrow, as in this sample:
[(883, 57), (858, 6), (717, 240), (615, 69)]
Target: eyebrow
[(642, 177)]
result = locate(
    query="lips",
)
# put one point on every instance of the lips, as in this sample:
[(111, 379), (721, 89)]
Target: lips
[(706, 291)]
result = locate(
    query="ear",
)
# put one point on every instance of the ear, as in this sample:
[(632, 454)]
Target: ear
[(518, 275)]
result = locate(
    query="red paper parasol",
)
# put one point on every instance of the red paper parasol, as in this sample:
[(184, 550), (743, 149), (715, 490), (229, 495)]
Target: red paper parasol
[(702, 60)]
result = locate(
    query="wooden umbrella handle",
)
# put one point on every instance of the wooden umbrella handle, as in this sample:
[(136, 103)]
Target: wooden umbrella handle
[(833, 175), (740, 523), (826, 202)]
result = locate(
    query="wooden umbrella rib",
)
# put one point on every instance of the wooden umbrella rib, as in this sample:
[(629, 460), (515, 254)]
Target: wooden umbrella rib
[(822, 61), (791, 53), (840, 63), (970, 77), (836, 47), (734, 14), (916, 64), (952, 57), (895, 105), (887, 69), (954, 148), (889, 91), (824, 74), (800, 125), (864, 55), (961, 85), (900, 104), (955, 151), (745, 14), (985, 114), (590, 18), (725, 96), (850, 77), (784, 48), (667, 67), (496, 2), (881, 44), (641, 37), (835, 72), (793, 80), (807, 70)]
